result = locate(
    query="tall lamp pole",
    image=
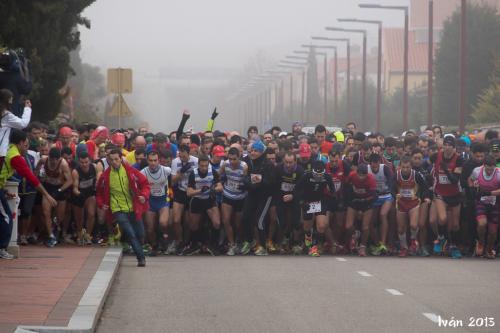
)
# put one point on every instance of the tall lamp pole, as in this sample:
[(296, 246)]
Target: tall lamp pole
[(379, 64), (362, 31), (405, 59), (430, 60), (289, 65), (462, 69), (348, 70)]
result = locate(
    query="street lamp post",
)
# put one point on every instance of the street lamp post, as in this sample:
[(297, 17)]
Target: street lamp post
[(362, 31), (348, 74), (291, 65), (430, 60), (462, 68), (335, 72), (325, 86), (405, 59), (379, 65)]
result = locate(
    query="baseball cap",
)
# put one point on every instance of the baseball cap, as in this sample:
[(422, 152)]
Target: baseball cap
[(218, 151), (258, 146), (118, 138), (339, 136), (65, 131), (449, 139), (101, 132), (282, 134), (304, 150)]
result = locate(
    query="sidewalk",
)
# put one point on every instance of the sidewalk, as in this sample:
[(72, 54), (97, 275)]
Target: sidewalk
[(44, 286)]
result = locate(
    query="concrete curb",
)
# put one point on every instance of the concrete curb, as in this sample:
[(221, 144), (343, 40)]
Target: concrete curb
[(86, 315)]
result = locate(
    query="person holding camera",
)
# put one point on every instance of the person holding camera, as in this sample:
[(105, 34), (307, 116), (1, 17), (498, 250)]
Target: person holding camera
[(9, 120)]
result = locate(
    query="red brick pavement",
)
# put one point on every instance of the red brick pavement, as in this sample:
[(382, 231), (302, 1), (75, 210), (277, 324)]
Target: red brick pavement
[(44, 286)]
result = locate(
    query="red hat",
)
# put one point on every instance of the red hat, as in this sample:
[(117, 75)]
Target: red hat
[(118, 138), (65, 131), (100, 131), (193, 146), (304, 150), (218, 151)]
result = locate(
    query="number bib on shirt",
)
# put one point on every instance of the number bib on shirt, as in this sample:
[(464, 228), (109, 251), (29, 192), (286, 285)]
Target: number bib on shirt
[(407, 193), (157, 191), (232, 185), (489, 200), (337, 185), (443, 179), (314, 207), (84, 184), (287, 187)]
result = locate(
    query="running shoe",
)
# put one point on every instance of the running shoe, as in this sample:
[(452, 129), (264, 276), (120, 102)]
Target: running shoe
[(254, 245), (308, 240), (180, 249), (245, 248), (260, 251), (67, 239), (455, 252), (23, 240), (479, 251), (192, 250), (362, 251), (403, 252), (439, 246), (210, 250), (51, 242), (297, 250), (490, 254), (141, 262), (413, 249), (233, 249), (87, 240), (423, 252), (171, 249), (146, 248), (313, 251), (5, 255), (271, 248), (379, 250)]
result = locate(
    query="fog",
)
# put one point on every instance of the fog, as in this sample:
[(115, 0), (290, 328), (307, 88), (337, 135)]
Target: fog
[(184, 52)]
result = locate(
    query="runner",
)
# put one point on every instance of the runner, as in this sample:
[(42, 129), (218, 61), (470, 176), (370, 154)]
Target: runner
[(361, 194), (233, 174), (203, 183), (83, 200), (486, 179), (411, 190), (311, 190), (445, 209)]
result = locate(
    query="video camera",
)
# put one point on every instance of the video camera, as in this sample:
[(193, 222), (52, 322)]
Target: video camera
[(15, 61)]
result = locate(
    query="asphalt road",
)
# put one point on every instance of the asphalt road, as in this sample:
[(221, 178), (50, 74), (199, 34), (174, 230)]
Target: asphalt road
[(302, 294)]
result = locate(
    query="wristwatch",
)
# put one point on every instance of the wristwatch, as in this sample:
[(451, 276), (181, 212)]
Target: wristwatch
[(59, 190)]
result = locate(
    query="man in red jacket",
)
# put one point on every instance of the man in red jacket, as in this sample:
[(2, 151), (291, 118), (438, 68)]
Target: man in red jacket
[(123, 193)]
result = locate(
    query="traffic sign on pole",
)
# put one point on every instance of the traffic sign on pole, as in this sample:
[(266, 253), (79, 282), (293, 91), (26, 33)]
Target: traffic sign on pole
[(119, 80)]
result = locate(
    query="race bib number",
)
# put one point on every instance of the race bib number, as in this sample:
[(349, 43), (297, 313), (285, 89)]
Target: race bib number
[(157, 191), (443, 179), (359, 190), (287, 187), (232, 185), (255, 178), (489, 200), (337, 186), (314, 207), (407, 193), (86, 183)]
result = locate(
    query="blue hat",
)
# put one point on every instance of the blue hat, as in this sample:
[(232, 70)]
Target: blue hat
[(259, 146)]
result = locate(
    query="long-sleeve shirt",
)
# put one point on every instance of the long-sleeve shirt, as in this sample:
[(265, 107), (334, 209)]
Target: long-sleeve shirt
[(9, 120)]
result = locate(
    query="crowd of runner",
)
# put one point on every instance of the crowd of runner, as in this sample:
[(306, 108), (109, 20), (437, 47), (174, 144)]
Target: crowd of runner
[(277, 192)]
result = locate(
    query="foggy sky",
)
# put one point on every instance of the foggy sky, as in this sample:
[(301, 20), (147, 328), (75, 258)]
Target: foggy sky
[(152, 34)]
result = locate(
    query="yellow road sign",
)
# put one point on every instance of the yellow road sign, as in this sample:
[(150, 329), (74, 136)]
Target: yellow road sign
[(119, 80), (120, 108)]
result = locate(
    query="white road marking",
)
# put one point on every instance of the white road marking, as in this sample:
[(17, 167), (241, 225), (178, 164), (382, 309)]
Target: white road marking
[(394, 292), (341, 259), (431, 316), (363, 273)]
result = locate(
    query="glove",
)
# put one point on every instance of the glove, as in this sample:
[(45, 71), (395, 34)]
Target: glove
[(185, 168), (214, 114), (205, 189)]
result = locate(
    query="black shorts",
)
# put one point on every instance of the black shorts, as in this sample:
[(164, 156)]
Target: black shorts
[(200, 206), (181, 197), (450, 201), (309, 216), (361, 206), (27, 203), (80, 200), (53, 190), (336, 205), (236, 204)]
